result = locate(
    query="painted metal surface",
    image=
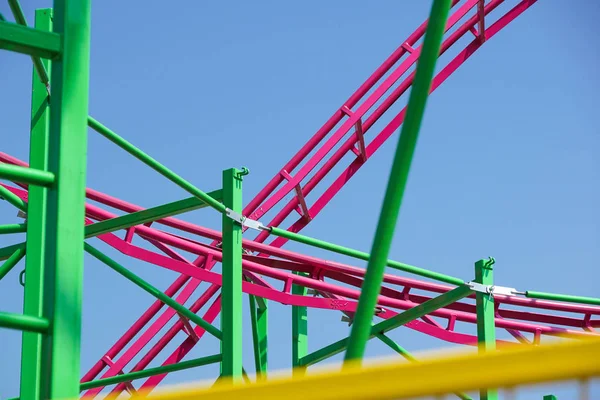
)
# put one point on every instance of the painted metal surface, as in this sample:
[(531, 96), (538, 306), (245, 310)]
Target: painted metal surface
[(270, 273)]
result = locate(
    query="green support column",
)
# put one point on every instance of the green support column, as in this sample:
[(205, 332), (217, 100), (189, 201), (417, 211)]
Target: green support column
[(231, 298), (299, 330), (31, 349), (361, 328), (259, 317), (486, 330), (550, 397), (65, 210)]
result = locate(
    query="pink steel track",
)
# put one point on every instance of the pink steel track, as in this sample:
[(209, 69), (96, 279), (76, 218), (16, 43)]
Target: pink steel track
[(350, 123)]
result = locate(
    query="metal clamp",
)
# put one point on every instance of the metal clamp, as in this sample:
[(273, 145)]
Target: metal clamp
[(492, 289), (244, 221)]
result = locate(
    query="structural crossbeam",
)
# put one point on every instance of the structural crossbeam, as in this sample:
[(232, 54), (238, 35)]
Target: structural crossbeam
[(30, 41)]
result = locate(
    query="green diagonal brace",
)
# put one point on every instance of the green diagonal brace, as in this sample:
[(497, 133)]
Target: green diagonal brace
[(148, 215), (153, 291), (392, 323)]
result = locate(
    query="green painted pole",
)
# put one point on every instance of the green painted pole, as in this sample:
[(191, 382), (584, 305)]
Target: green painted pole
[(486, 329), (33, 42), (197, 362), (406, 354), (259, 317), (231, 291), (23, 322), (155, 165), (12, 228), (13, 199), (38, 64), (361, 255), (31, 348), (6, 252), (148, 215), (361, 327), (10, 263), (152, 290), (299, 330), (65, 207), (392, 323), (30, 176), (550, 397), (562, 297)]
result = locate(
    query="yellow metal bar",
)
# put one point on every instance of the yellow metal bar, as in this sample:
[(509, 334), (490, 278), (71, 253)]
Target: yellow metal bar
[(510, 367)]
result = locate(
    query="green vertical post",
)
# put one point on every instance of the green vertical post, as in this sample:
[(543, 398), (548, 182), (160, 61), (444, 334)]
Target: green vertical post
[(65, 208), (31, 349), (259, 316), (550, 397), (486, 330), (299, 330), (361, 328), (231, 292)]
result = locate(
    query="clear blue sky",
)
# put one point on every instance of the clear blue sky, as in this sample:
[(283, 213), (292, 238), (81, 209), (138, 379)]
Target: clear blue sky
[(506, 166)]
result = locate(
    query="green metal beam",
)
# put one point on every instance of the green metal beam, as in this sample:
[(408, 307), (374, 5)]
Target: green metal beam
[(391, 323), (155, 165), (30, 176), (23, 322), (550, 397), (65, 207), (12, 228), (153, 291), (299, 330), (197, 362), (37, 62), (33, 304), (33, 42), (6, 252), (231, 298), (486, 330), (259, 317), (13, 260), (562, 297), (13, 199), (361, 255), (361, 328), (148, 215)]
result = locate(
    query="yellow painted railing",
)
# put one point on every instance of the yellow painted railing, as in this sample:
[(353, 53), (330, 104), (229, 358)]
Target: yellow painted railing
[(397, 380)]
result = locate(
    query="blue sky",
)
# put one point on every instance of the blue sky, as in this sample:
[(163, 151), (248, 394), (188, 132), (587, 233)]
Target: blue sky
[(506, 164)]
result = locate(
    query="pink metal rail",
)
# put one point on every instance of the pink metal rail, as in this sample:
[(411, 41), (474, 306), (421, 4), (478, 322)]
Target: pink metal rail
[(352, 123)]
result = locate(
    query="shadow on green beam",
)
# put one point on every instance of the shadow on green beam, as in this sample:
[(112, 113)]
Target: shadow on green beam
[(149, 215)]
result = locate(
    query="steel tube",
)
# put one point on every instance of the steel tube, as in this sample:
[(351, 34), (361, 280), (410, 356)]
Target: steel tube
[(397, 183), (155, 165), (152, 290), (23, 322), (364, 256), (562, 297), (13, 260), (197, 362), (26, 175)]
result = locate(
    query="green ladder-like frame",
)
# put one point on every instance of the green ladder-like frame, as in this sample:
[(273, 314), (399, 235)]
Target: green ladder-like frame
[(53, 289)]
